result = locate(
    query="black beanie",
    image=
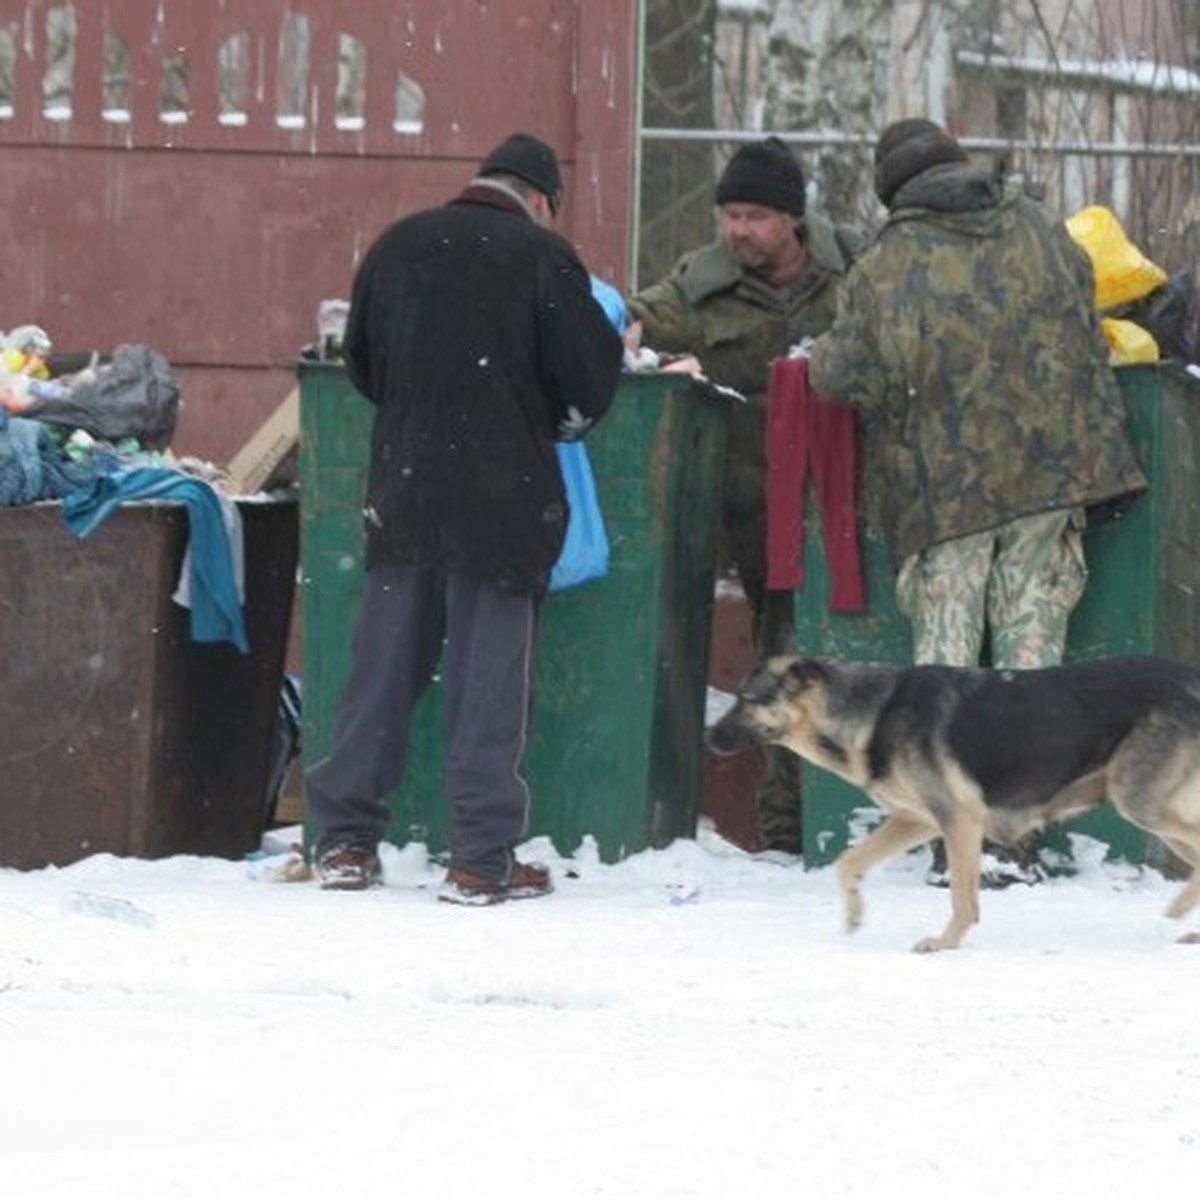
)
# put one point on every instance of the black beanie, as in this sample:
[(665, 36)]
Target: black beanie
[(530, 159), (906, 148), (764, 173)]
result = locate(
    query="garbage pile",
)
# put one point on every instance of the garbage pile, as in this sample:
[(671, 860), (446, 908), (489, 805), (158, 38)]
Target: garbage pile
[(95, 436), (64, 423)]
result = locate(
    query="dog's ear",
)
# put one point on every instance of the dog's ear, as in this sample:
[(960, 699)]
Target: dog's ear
[(804, 673)]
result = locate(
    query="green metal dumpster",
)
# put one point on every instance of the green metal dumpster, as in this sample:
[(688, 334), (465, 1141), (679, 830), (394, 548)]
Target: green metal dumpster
[(621, 665), (1143, 597)]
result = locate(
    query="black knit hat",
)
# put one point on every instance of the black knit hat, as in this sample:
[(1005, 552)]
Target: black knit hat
[(906, 148), (764, 173), (530, 159)]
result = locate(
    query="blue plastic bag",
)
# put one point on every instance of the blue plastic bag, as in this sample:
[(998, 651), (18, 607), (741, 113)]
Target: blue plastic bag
[(585, 549)]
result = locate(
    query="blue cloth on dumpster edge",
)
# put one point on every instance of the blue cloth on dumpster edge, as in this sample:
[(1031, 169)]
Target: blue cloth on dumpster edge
[(33, 466), (216, 611)]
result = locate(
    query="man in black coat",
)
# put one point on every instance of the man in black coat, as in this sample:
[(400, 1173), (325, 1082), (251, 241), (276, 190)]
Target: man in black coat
[(473, 331)]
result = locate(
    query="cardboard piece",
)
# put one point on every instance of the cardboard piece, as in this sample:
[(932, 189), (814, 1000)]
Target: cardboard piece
[(269, 452)]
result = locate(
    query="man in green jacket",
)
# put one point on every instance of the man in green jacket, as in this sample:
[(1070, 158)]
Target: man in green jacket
[(967, 339), (767, 282)]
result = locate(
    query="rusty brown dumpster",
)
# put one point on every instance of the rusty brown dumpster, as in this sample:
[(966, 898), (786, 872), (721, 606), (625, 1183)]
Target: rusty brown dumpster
[(118, 732)]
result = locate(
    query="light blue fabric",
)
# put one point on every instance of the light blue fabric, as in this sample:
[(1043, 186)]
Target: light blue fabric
[(612, 302), (33, 466), (584, 554), (215, 607), (585, 548)]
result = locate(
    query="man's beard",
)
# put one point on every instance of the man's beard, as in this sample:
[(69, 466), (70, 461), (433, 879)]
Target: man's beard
[(752, 257)]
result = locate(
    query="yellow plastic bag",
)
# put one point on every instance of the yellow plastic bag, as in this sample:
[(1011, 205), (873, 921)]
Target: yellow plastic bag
[(1123, 273), (1128, 342)]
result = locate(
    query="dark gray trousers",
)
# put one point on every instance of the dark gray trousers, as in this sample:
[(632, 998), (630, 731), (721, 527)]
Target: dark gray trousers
[(408, 616)]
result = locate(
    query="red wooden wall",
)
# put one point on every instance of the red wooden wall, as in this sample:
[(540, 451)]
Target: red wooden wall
[(213, 235)]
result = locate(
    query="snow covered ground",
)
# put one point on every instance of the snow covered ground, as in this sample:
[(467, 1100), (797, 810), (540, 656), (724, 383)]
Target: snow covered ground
[(691, 1022)]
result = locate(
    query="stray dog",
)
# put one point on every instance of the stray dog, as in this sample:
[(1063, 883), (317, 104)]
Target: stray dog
[(962, 753)]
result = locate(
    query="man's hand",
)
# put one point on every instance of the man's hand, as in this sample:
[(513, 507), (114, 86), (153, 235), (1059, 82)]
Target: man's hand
[(637, 357), (641, 358), (573, 426)]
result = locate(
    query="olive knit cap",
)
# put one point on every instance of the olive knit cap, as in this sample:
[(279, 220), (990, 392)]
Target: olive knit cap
[(906, 148), (764, 173), (530, 159)]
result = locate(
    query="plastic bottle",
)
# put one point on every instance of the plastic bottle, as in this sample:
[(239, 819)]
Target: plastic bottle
[(683, 893), (49, 389), (110, 908)]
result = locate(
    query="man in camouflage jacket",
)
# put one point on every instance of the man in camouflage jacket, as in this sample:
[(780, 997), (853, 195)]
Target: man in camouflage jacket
[(967, 339), (767, 282), (967, 336)]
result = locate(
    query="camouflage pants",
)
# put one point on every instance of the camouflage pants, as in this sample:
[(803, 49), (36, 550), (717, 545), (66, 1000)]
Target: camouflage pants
[(1019, 583), (779, 801)]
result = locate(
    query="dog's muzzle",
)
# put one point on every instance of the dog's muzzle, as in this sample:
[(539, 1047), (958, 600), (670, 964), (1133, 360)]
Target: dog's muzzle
[(730, 736)]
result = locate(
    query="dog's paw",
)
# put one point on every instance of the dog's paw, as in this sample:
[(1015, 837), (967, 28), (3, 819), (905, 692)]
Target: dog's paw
[(1189, 939), (853, 904), (931, 945)]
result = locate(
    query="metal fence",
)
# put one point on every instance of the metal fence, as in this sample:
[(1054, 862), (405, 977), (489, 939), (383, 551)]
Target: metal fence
[(1153, 187)]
